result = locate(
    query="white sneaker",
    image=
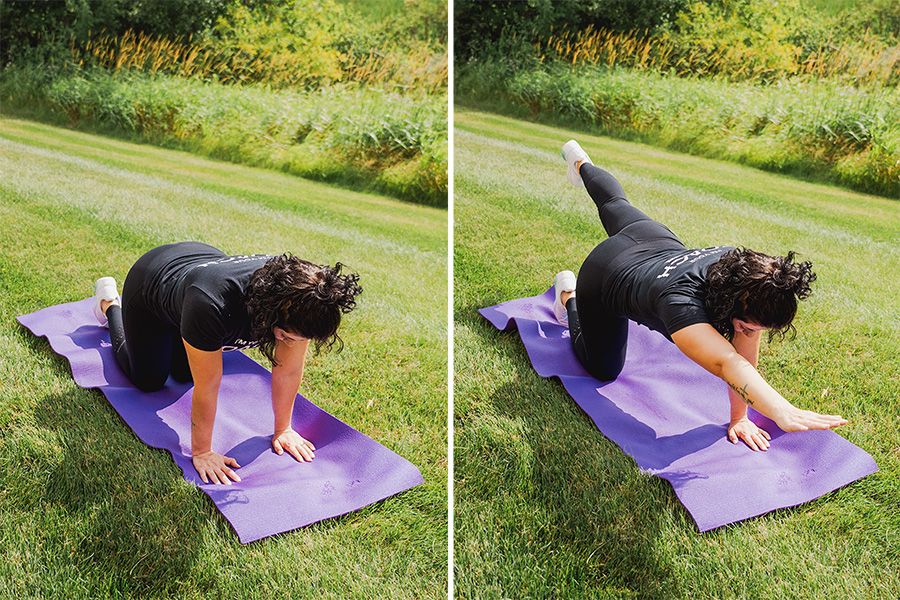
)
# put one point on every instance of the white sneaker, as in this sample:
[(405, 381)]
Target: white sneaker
[(573, 154), (563, 282), (104, 289)]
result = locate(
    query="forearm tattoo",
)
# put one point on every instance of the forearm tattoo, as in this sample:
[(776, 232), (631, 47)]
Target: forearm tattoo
[(742, 392)]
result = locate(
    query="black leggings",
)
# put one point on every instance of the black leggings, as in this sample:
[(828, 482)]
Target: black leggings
[(147, 348), (599, 336)]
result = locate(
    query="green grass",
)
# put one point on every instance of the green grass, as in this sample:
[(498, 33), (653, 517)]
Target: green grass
[(365, 139), (86, 509), (545, 505), (820, 130)]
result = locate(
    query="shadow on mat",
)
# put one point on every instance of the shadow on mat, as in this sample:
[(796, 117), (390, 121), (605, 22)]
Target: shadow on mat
[(639, 440)]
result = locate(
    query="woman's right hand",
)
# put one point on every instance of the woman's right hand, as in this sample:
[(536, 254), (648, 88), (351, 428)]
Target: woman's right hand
[(797, 419), (212, 466)]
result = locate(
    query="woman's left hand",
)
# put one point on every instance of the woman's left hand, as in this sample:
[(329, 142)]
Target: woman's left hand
[(753, 436), (298, 447)]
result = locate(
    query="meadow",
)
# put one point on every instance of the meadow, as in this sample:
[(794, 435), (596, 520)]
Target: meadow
[(545, 505), (86, 509)]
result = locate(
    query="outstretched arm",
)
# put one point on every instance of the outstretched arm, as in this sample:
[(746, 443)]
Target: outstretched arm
[(705, 346), (286, 378)]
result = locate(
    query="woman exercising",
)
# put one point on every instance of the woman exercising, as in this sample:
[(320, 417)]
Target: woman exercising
[(184, 304), (713, 303)]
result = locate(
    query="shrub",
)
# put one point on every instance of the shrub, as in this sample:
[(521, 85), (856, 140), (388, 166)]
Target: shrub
[(299, 34)]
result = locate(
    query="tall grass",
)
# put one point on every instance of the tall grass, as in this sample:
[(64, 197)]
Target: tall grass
[(394, 67), (392, 143), (813, 128), (865, 62)]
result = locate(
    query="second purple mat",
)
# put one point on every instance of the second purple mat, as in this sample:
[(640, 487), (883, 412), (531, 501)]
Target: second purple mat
[(672, 417), (277, 493)]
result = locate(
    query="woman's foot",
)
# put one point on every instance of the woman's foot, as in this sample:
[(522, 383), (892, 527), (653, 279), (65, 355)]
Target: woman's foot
[(105, 294), (564, 285), (574, 156)]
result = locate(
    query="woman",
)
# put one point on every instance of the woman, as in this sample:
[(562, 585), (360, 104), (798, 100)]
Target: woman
[(713, 303), (184, 304)]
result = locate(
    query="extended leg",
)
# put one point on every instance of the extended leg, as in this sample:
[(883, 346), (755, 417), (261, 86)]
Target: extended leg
[(615, 211)]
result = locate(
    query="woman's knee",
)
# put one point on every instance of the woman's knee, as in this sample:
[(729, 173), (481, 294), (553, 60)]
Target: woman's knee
[(602, 365), (150, 383), (605, 372)]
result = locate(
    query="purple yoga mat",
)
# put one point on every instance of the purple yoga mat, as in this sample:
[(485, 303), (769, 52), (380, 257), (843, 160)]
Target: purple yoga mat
[(277, 493), (672, 417)]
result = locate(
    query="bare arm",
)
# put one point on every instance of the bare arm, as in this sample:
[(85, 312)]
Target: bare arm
[(705, 346), (746, 344), (286, 379), (206, 369)]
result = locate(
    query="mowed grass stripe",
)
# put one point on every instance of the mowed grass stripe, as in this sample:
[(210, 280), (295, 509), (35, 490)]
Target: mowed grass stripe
[(265, 187), (162, 210)]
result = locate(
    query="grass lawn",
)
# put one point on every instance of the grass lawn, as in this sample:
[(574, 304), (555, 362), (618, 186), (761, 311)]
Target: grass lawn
[(545, 505), (89, 511)]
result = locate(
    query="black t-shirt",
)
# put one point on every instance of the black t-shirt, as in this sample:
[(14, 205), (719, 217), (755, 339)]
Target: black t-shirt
[(200, 290), (664, 290)]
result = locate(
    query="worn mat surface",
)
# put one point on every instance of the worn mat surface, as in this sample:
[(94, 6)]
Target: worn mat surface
[(672, 417), (277, 493)]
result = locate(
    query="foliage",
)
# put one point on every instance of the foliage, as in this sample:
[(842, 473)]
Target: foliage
[(300, 33), (760, 31), (481, 25), (403, 22), (723, 48), (765, 82), (392, 143), (283, 43), (761, 40), (877, 17), (772, 39), (822, 129), (29, 24), (304, 57), (410, 69)]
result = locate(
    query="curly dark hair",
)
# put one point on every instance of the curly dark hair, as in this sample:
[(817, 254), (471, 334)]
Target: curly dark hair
[(300, 297), (753, 286)]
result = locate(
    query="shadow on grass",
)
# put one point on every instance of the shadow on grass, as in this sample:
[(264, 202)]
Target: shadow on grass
[(593, 508), (140, 529)]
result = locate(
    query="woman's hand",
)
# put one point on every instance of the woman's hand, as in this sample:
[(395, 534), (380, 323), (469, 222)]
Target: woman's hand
[(797, 419), (213, 466), (296, 446), (753, 436)]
